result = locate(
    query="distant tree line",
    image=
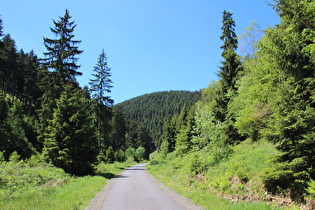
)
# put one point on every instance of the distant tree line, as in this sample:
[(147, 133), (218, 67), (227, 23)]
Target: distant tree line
[(152, 110)]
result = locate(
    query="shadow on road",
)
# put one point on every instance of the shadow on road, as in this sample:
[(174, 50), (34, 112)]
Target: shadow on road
[(135, 169), (107, 175), (120, 176)]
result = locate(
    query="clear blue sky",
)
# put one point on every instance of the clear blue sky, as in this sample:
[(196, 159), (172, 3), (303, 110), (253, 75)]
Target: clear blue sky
[(152, 45)]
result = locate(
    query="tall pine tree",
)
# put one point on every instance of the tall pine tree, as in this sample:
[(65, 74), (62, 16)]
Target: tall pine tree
[(62, 51), (229, 71), (70, 141), (100, 87), (59, 67)]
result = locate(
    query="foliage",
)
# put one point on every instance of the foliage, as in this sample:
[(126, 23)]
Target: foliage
[(100, 86), (37, 185), (140, 154), (61, 52), (239, 176), (152, 109), (70, 141)]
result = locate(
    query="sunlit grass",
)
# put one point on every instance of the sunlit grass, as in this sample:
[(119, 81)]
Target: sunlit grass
[(46, 187), (238, 176)]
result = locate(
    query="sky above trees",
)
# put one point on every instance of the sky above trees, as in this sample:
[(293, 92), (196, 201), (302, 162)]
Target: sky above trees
[(151, 45)]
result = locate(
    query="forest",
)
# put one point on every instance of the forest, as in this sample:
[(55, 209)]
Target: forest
[(255, 123), (264, 100), (45, 112)]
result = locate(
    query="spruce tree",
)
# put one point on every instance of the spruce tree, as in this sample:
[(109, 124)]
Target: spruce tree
[(100, 87), (101, 84), (292, 125), (62, 51), (119, 129), (1, 56), (1, 27), (59, 67), (70, 141), (229, 72), (230, 68), (9, 68)]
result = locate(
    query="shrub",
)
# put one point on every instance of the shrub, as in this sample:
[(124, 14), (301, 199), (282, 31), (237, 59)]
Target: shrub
[(140, 154)]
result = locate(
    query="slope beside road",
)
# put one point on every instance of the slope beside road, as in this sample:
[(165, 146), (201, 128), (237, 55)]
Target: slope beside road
[(135, 188)]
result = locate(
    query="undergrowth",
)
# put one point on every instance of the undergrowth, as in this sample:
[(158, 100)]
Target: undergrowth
[(35, 185), (233, 182)]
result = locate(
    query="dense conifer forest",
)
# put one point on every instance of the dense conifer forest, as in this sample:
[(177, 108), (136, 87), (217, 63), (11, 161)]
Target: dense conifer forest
[(45, 112), (263, 100), (152, 110)]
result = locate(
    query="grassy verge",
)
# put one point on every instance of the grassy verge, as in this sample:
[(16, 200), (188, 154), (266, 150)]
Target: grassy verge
[(23, 186), (236, 179)]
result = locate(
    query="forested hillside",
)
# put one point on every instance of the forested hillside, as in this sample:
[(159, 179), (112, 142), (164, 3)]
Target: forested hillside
[(46, 114), (262, 100), (152, 110), (248, 136)]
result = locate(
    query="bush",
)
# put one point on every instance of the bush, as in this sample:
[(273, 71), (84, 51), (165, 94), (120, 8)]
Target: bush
[(130, 153), (14, 157), (140, 154), (196, 165)]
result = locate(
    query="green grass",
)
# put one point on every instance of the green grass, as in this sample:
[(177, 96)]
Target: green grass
[(237, 177), (45, 187)]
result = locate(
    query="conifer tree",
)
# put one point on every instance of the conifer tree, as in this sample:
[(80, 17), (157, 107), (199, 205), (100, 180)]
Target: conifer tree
[(119, 129), (9, 69), (59, 67), (1, 27), (229, 72), (100, 87), (230, 66), (1, 56), (62, 51), (101, 84), (70, 141), (292, 125)]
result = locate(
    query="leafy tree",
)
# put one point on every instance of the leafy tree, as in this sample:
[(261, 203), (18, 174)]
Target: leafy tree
[(249, 40), (70, 141), (130, 153), (140, 154), (276, 99)]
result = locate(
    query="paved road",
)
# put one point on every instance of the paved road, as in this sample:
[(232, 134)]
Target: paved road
[(135, 189)]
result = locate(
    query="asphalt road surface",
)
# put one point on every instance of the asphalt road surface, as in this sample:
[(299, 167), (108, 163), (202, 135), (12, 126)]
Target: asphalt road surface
[(136, 189)]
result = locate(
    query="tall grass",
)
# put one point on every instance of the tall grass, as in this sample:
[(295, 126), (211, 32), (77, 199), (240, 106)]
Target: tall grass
[(40, 186), (236, 178)]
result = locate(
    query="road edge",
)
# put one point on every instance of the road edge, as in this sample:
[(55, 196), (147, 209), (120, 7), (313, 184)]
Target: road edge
[(183, 201)]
